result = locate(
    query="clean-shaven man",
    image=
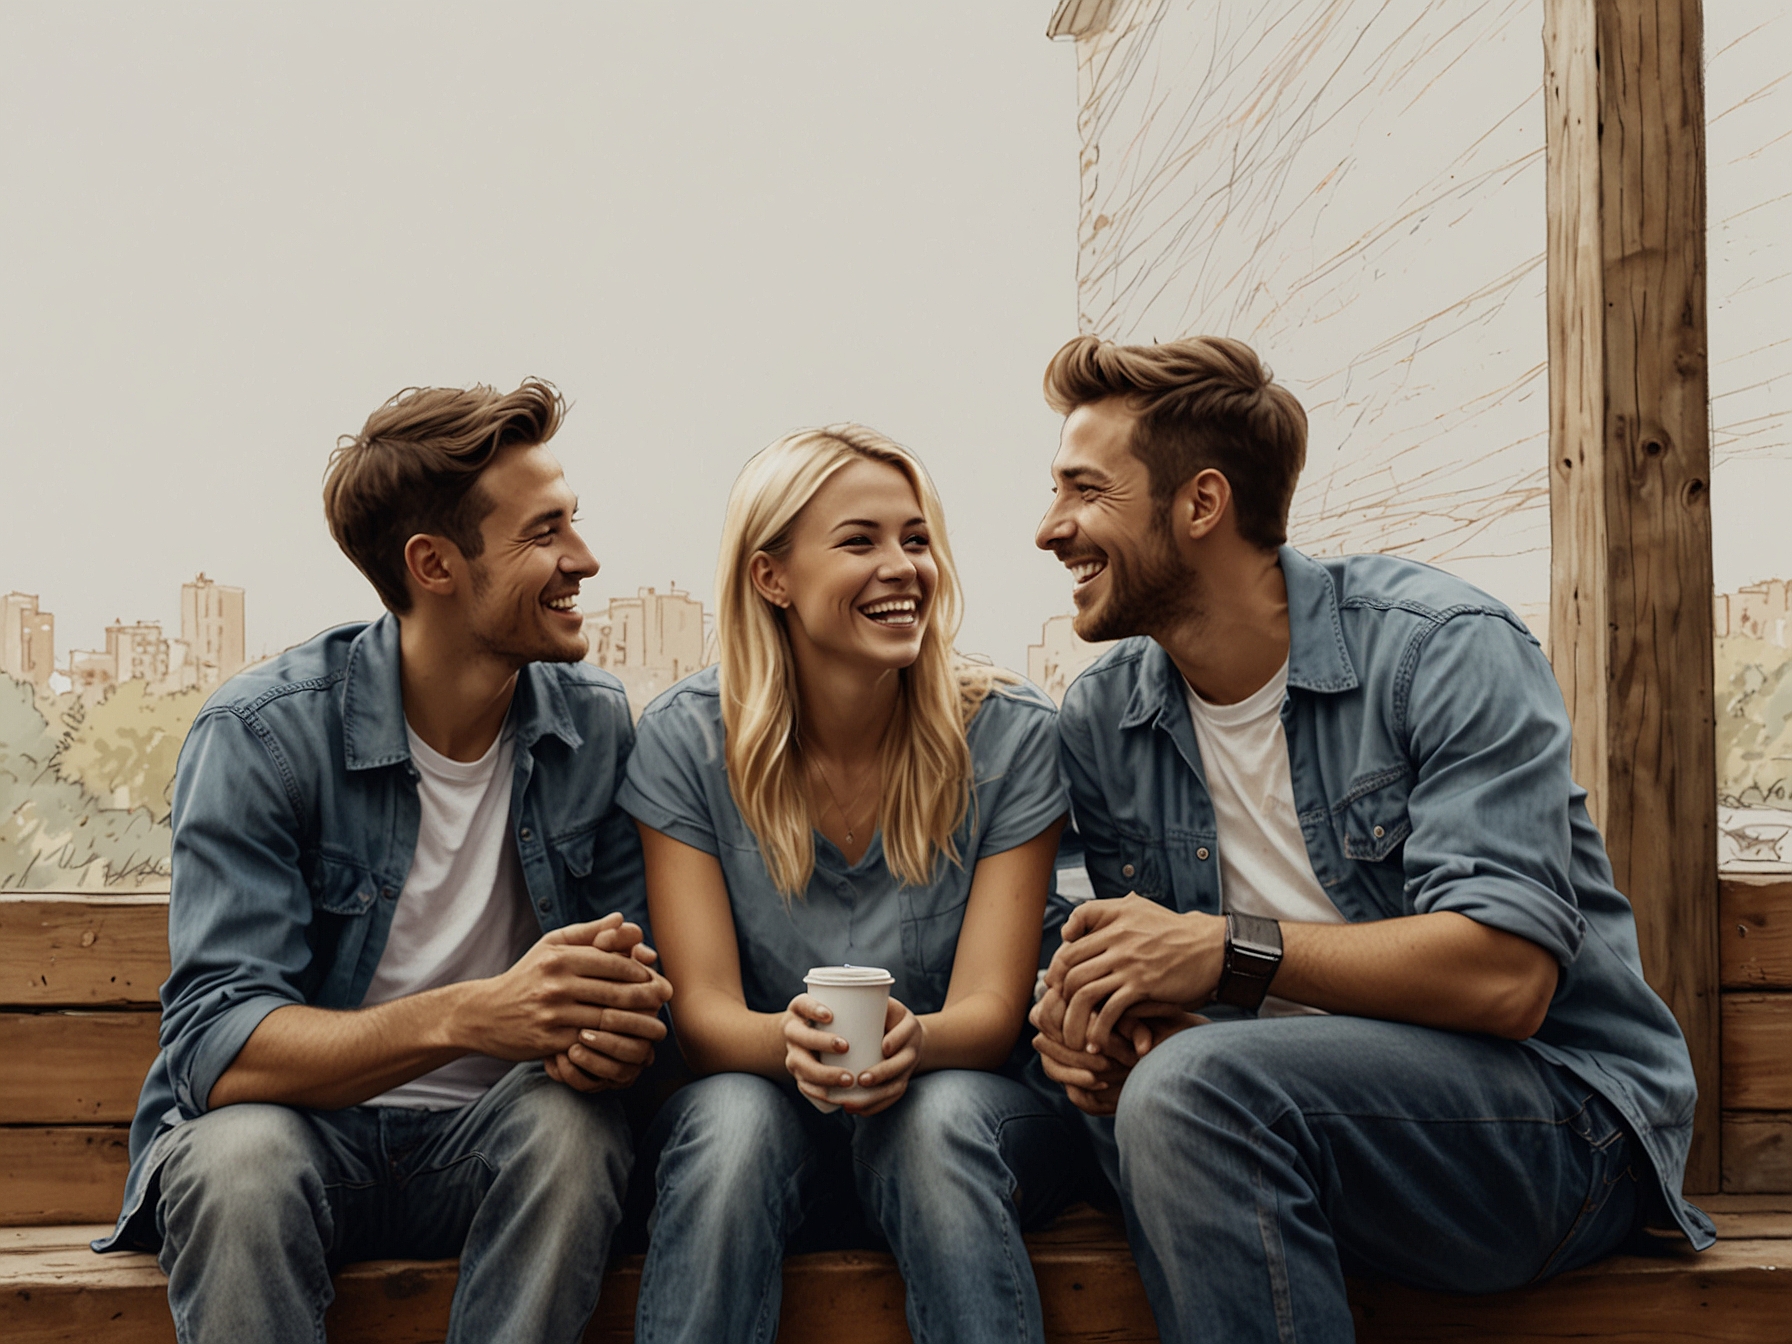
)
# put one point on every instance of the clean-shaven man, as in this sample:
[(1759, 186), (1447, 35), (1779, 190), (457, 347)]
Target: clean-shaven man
[(406, 917), (1326, 805)]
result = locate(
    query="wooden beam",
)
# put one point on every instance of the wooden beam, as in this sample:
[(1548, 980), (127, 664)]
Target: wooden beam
[(82, 951), (1630, 461), (74, 1068), (1756, 932), (1757, 1151), (61, 1174), (1758, 1052)]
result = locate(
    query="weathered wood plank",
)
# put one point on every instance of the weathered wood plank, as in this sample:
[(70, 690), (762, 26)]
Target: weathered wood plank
[(1757, 932), (65, 1174), (1737, 1291), (54, 1291), (1758, 1052), (74, 1068), (82, 951), (1758, 1151), (1630, 463)]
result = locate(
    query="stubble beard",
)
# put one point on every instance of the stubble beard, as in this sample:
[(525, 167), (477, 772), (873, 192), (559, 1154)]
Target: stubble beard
[(517, 636), (1148, 592)]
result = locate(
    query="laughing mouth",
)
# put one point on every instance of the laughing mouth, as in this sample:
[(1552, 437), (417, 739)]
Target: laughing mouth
[(893, 613), (568, 604), (1084, 570)]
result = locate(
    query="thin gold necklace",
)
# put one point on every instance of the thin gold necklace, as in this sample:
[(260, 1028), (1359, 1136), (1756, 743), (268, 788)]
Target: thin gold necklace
[(845, 816)]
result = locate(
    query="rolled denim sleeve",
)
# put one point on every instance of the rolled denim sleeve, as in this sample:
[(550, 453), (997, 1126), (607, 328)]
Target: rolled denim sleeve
[(1490, 810), (239, 908)]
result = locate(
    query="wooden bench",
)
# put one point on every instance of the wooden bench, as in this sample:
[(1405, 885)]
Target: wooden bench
[(78, 980)]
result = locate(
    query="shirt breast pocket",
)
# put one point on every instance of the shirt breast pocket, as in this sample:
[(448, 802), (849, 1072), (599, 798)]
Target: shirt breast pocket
[(1142, 866), (1374, 821), (343, 887)]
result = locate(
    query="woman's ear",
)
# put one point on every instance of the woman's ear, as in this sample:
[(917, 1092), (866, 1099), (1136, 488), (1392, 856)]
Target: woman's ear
[(769, 579)]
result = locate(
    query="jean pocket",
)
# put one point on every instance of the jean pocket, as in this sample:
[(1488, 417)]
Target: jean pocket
[(1608, 1210)]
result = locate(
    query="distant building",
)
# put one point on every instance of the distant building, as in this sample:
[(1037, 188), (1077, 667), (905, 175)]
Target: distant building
[(138, 652), (211, 626), (1761, 611), (650, 641), (91, 671), (27, 640), (1054, 662)]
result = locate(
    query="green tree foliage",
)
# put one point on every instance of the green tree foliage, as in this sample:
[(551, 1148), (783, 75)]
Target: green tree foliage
[(1754, 723), (123, 749), (54, 833)]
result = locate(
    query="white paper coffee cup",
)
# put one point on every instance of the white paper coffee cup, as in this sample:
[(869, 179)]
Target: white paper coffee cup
[(858, 996)]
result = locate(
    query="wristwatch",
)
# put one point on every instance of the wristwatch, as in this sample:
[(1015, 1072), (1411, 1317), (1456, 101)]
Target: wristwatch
[(1253, 956)]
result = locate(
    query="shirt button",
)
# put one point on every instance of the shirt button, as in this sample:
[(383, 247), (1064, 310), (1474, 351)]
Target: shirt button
[(1126, 870), (544, 906), (1378, 832), (1201, 853), (525, 834)]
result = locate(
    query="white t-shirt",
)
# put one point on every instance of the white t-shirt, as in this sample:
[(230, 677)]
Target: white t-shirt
[(464, 911), (1264, 867)]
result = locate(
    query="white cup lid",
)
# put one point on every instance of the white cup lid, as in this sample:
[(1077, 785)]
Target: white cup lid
[(849, 975)]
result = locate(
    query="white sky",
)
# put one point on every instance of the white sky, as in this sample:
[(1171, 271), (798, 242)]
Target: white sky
[(227, 232)]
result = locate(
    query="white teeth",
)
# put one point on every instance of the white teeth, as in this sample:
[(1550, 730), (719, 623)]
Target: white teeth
[(568, 603), (1084, 570), (902, 604)]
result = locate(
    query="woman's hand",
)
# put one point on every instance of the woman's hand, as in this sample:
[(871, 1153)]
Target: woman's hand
[(904, 1039), (805, 1043), (886, 1082)]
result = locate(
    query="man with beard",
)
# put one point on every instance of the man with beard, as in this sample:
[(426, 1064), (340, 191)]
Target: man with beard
[(406, 917), (1326, 805)]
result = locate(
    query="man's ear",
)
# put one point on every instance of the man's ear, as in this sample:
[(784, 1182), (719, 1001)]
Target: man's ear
[(434, 564), (1199, 507), (769, 579)]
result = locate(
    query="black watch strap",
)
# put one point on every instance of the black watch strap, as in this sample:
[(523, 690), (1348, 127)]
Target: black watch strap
[(1253, 956)]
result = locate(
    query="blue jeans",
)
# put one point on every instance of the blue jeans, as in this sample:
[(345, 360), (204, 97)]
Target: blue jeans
[(1259, 1162), (258, 1203), (947, 1176)]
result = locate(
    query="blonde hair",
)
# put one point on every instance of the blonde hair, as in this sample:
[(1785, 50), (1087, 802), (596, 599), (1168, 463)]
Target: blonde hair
[(926, 758)]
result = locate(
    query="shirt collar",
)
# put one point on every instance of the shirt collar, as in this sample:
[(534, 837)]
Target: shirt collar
[(373, 702), (1317, 658)]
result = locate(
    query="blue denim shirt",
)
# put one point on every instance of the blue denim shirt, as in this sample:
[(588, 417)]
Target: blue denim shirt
[(850, 913), (1428, 745), (295, 821)]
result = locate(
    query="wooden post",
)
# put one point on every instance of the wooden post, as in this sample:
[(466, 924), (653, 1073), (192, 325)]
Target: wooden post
[(1630, 609)]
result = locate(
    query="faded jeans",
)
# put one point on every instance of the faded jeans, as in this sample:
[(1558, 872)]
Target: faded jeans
[(259, 1203), (948, 1176), (1260, 1161)]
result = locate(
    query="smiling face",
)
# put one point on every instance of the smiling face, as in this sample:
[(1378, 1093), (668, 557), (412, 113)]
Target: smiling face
[(522, 603), (1115, 539), (858, 578)]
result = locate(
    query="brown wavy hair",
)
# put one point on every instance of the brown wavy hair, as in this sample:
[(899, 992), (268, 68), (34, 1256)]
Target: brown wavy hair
[(415, 466), (1203, 402)]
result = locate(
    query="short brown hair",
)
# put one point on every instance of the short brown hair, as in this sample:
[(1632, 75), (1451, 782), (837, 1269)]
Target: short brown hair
[(1204, 402), (415, 466)]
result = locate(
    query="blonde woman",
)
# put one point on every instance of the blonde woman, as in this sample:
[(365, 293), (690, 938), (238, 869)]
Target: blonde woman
[(844, 789)]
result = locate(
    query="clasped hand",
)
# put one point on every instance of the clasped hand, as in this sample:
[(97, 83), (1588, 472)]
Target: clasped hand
[(1121, 984), (584, 1000), (806, 1038)]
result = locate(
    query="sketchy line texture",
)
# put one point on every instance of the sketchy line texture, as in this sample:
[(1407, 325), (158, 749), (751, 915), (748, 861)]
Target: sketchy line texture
[(1356, 189)]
